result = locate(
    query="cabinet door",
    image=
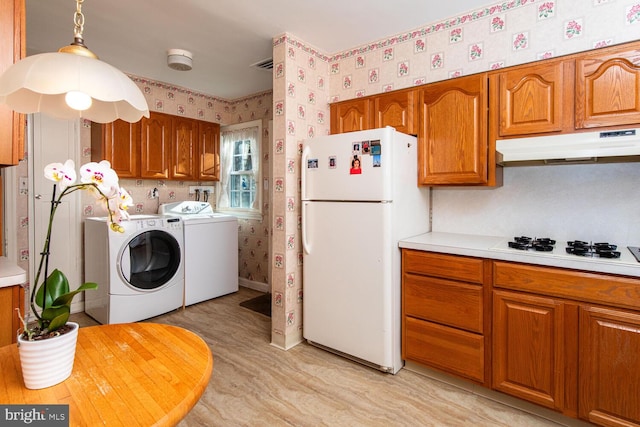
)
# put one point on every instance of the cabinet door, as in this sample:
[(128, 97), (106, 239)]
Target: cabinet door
[(534, 99), (119, 143), (12, 49), (528, 348), (352, 115), (209, 151), (396, 109), (155, 148), (184, 145), (11, 297), (609, 367), (452, 142), (608, 88)]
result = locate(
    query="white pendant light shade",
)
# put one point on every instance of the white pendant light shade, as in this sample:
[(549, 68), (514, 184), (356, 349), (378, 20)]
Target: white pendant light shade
[(40, 83)]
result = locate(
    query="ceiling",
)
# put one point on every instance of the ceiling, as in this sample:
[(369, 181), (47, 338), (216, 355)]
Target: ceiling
[(225, 36)]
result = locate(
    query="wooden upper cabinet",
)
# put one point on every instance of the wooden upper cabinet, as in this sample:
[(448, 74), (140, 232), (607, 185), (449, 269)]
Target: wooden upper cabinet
[(160, 147), (351, 115), (118, 142), (396, 109), (12, 49), (155, 149), (209, 151), (609, 366), (452, 141), (533, 99), (608, 88), (184, 145)]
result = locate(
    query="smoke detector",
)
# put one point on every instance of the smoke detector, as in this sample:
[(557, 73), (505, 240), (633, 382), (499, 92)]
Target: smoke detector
[(179, 59)]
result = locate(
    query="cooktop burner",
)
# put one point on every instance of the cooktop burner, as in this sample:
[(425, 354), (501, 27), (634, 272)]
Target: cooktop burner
[(600, 250), (525, 243)]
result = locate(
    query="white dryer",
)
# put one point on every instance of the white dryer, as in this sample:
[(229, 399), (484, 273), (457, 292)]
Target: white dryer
[(140, 272), (210, 250)]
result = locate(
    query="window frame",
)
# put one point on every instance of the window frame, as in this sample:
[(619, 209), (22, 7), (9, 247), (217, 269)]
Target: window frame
[(246, 213)]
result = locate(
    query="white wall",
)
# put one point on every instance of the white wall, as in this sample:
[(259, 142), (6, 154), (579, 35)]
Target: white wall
[(595, 202)]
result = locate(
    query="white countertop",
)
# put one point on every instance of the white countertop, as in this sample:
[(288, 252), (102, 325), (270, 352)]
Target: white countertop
[(496, 247), (11, 274)]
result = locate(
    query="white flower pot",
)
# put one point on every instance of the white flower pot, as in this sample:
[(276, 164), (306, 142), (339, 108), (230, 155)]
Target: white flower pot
[(48, 362)]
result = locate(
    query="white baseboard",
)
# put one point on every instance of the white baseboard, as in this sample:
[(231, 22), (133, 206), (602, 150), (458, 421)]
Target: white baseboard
[(258, 286)]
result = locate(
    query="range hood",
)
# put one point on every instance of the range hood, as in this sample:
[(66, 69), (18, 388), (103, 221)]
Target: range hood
[(586, 147)]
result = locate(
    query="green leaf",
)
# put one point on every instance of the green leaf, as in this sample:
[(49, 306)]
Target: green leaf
[(58, 299), (60, 320), (56, 317), (57, 285), (66, 298)]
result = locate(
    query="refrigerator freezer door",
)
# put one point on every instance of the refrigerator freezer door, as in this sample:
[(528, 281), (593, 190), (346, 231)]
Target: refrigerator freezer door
[(350, 166), (348, 302)]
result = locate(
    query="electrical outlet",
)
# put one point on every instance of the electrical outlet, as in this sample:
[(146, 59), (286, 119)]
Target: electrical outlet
[(201, 189), (24, 185)]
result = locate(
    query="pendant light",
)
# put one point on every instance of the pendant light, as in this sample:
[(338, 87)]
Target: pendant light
[(72, 83)]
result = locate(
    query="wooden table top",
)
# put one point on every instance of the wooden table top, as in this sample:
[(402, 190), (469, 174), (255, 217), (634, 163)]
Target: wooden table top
[(125, 374)]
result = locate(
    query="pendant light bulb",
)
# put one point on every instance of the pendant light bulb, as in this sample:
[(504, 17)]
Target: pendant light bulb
[(77, 100), (72, 83)]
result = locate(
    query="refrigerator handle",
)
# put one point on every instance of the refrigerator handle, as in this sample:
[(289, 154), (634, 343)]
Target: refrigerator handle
[(303, 173), (305, 245)]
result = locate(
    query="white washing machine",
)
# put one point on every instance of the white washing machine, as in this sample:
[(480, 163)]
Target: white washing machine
[(210, 250), (140, 272)]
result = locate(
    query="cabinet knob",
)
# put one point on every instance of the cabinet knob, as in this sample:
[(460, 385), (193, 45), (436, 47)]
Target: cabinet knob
[(38, 196)]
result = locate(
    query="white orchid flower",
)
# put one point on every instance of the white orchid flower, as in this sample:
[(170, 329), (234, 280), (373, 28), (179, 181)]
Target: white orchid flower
[(62, 174), (119, 204), (125, 199), (102, 175)]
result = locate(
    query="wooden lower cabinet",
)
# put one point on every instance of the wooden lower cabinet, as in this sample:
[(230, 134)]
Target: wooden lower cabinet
[(448, 349), (443, 310), (529, 352), (565, 340), (609, 366), (11, 297)]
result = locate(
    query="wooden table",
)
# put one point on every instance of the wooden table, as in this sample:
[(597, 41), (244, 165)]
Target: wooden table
[(126, 374)]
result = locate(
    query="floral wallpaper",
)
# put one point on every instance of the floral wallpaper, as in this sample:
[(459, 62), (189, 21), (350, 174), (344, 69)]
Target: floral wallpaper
[(300, 111), (501, 35), (307, 79)]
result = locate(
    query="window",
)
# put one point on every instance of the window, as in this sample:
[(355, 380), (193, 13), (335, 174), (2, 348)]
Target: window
[(239, 192)]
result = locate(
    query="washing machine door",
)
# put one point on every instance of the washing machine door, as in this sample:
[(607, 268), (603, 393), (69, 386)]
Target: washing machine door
[(150, 260)]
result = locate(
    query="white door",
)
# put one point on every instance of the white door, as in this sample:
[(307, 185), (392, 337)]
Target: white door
[(53, 140), (347, 278)]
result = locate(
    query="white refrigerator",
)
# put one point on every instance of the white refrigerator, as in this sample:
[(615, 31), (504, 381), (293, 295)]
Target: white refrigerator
[(359, 198)]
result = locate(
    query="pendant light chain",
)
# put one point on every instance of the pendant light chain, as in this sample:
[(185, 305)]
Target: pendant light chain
[(78, 20), (72, 83)]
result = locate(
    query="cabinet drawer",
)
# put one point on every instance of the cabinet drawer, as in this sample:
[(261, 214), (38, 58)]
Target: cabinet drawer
[(597, 288), (448, 349), (443, 301), (454, 267)]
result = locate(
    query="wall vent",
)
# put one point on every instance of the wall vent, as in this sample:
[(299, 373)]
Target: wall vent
[(265, 64)]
